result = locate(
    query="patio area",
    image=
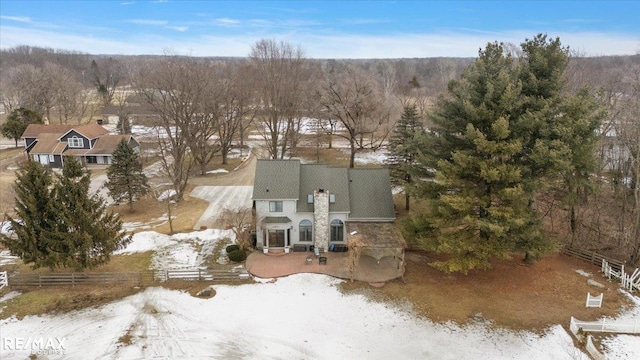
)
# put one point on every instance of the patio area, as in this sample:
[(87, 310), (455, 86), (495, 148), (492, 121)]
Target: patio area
[(278, 265)]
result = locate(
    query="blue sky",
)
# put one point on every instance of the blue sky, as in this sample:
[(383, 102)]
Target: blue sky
[(324, 29)]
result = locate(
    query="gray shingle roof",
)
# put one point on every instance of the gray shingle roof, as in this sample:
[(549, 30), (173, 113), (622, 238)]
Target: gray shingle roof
[(276, 180), (332, 179), (371, 196), (364, 193)]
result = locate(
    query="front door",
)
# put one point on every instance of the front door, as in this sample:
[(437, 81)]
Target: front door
[(276, 238)]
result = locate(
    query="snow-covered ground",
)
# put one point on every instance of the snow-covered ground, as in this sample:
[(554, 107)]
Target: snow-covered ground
[(221, 197), (302, 316)]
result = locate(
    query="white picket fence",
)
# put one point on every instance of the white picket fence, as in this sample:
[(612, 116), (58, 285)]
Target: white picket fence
[(629, 282), (4, 279), (594, 301), (604, 326), (593, 350)]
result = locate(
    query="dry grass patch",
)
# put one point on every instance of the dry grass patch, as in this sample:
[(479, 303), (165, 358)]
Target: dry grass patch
[(509, 295), (61, 299), (148, 210)]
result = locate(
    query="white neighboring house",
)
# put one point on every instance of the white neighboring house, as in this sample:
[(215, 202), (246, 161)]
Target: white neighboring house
[(304, 205)]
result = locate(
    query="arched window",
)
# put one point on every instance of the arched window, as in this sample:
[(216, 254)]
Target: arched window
[(337, 230), (306, 230)]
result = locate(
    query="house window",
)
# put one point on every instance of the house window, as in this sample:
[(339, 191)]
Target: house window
[(275, 206), (75, 142), (92, 160), (306, 230), (51, 159), (332, 198), (310, 199), (337, 230)]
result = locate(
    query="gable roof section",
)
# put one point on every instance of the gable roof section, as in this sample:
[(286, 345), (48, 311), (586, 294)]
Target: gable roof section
[(48, 144), (333, 179), (34, 130), (364, 193), (106, 145), (90, 131), (370, 194), (276, 180)]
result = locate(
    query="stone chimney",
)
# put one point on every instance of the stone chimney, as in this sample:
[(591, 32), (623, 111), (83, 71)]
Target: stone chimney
[(321, 219)]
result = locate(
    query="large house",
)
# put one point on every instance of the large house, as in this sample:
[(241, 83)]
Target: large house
[(92, 144), (306, 205)]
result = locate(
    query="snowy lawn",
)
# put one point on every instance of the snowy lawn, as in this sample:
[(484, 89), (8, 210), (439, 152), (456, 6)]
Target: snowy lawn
[(298, 317), (302, 316), (221, 197)]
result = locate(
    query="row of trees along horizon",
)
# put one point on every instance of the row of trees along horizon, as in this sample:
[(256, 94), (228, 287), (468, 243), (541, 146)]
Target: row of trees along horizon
[(511, 151)]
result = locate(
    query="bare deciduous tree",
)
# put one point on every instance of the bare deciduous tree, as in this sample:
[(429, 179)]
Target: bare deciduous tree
[(178, 90), (278, 72), (240, 221), (353, 98)]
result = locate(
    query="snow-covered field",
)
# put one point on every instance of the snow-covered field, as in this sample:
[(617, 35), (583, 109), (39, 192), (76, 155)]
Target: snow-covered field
[(297, 317), (221, 197)]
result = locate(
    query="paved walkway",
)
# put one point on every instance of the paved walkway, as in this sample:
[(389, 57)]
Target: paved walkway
[(277, 265)]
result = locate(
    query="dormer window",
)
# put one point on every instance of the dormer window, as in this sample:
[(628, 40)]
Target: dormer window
[(75, 142)]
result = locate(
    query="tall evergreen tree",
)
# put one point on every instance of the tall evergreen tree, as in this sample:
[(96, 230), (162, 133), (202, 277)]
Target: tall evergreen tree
[(17, 123), (91, 233), (127, 181), (403, 149), (36, 221), (59, 224), (504, 133)]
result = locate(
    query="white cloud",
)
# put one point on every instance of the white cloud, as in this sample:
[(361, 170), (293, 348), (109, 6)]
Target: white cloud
[(178, 28), (147, 22), (227, 22), (22, 19), (127, 3), (451, 44)]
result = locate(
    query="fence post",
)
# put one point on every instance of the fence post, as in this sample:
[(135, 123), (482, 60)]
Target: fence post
[(603, 320), (593, 257), (199, 275)]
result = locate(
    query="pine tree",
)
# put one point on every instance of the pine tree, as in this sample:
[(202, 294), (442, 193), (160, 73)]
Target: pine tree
[(17, 123), (59, 224), (91, 233), (124, 124), (36, 221), (505, 133), (403, 149), (127, 181)]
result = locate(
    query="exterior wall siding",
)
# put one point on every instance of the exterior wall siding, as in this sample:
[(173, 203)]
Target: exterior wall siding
[(289, 210)]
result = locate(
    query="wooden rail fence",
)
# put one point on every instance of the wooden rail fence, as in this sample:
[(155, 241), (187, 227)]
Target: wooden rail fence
[(53, 279), (592, 257), (3, 279), (200, 275), (124, 278)]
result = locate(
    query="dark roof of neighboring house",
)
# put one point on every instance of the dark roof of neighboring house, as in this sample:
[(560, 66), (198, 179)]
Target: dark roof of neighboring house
[(107, 144), (48, 144), (33, 130), (364, 193), (91, 131)]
